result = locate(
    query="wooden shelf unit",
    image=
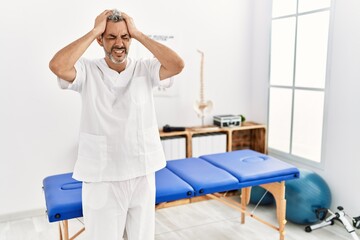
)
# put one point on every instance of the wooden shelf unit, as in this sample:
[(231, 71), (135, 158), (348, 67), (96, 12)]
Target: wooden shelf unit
[(249, 135)]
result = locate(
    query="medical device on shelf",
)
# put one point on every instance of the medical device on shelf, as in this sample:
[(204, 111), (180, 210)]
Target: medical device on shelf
[(227, 120), (341, 216)]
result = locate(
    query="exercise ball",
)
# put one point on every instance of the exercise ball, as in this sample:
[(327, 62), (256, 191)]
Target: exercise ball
[(257, 193), (304, 195)]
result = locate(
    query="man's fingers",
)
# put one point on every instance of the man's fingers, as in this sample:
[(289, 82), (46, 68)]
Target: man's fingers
[(124, 15), (107, 12)]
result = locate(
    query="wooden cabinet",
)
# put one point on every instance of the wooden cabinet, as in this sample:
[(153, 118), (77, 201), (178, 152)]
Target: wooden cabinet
[(249, 135)]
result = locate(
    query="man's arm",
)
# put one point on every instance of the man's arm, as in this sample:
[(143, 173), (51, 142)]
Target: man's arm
[(62, 64), (171, 63)]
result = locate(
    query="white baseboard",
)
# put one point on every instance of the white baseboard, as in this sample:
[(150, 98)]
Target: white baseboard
[(22, 215)]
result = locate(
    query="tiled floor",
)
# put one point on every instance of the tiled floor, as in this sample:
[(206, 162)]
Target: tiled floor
[(210, 220)]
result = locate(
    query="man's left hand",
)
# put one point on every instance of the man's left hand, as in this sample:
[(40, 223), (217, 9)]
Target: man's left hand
[(133, 31)]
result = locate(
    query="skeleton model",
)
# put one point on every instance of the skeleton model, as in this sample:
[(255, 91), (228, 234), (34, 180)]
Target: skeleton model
[(202, 107)]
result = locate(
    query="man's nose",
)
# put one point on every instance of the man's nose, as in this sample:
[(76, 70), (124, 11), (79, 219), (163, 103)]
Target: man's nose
[(119, 42)]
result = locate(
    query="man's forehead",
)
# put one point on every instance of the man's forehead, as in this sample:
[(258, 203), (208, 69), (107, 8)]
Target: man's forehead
[(116, 28)]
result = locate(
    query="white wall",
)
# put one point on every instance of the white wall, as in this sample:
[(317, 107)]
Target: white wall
[(340, 155), (39, 122), (260, 56), (342, 142)]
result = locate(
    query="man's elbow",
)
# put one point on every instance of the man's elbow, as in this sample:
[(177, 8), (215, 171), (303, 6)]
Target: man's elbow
[(171, 69), (61, 72), (179, 66), (54, 67)]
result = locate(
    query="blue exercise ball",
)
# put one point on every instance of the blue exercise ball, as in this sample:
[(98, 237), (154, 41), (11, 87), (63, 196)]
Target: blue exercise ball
[(257, 193), (304, 195)]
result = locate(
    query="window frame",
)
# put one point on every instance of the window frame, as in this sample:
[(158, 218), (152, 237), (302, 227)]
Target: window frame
[(289, 156)]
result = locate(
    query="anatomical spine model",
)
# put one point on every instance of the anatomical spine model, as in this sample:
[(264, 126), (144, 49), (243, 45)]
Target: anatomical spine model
[(202, 107)]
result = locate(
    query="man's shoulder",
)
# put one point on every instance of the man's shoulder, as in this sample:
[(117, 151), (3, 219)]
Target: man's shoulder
[(145, 62), (87, 61), (90, 65)]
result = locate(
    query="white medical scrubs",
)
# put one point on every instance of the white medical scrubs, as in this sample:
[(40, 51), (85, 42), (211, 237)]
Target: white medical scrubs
[(119, 147)]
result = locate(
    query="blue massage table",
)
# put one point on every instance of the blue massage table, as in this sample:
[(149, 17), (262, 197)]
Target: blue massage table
[(208, 175)]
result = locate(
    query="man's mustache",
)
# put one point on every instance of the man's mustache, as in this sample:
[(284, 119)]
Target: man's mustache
[(118, 48)]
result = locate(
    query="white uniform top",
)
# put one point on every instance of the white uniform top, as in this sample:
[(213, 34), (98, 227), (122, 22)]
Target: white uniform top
[(119, 137)]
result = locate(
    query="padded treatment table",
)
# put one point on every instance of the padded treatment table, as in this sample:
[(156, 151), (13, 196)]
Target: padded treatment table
[(63, 197), (63, 201), (170, 187), (208, 175), (255, 169), (203, 176)]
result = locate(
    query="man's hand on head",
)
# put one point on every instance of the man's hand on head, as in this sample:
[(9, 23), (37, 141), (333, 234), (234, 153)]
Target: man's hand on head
[(100, 22), (133, 31)]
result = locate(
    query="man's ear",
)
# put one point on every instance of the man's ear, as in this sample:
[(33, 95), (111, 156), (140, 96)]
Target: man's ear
[(100, 40)]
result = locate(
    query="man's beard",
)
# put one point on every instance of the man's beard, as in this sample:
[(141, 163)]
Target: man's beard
[(114, 59)]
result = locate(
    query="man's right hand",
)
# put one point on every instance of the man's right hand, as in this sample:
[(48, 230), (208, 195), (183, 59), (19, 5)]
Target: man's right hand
[(100, 23), (62, 64)]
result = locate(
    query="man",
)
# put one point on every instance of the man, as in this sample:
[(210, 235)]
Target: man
[(119, 144)]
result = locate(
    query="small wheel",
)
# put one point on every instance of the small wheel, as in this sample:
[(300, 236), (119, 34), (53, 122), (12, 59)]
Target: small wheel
[(332, 222), (308, 229)]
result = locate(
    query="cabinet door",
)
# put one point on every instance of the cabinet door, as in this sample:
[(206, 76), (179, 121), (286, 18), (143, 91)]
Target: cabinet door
[(203, 144), (174, 147)]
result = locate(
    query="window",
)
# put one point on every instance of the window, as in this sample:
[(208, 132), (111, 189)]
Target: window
[(299, 44)]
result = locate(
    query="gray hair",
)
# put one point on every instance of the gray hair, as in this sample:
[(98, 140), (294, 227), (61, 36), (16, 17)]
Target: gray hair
[(115, 16)]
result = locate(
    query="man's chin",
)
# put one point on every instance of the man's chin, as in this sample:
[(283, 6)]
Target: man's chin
[(117, 60)]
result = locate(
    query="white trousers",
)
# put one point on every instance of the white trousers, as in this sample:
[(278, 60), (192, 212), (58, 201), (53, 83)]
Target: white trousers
[(112, 210)]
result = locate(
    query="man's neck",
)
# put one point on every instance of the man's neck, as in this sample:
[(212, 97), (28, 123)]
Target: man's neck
[(116, 67)]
